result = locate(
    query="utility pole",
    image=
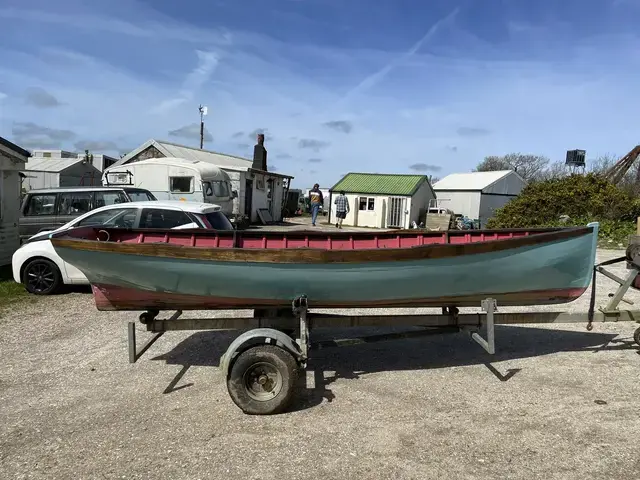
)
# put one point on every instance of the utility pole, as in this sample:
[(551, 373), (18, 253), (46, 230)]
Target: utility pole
[(203, 112)]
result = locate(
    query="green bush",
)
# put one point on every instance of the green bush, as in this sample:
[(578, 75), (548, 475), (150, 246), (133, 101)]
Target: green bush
[(584, 198), (578, 196)]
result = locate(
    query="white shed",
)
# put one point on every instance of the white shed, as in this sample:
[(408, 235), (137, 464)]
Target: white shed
[(59, 172), (12, 160), (383, 200), (477, 195)]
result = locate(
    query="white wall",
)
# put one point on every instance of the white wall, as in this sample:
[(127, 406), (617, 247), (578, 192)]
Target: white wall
[(376, 218), (419, 203), (74, 176), (9, 207), (463, 203), (260, 196)]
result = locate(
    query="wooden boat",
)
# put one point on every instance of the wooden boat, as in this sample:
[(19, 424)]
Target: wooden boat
[(204, 269)]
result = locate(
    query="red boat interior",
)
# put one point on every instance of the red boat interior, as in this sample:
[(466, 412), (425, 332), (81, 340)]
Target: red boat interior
[(262, 239)]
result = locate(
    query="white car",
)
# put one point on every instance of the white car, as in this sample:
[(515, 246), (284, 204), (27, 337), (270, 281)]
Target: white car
[(36, 264)]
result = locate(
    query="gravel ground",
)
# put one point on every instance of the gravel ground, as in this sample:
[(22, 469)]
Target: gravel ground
[(556, 402)]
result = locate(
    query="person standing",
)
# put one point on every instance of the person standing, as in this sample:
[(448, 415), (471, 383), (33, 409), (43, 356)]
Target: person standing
[(342, 208), (316, 200)]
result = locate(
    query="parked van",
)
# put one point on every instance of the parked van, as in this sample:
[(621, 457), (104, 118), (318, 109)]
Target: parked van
[(48, 208), (172, 178)]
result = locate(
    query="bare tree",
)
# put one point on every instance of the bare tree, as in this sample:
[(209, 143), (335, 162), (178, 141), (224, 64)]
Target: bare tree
[(602, 163), (530, 167), (555, 170)]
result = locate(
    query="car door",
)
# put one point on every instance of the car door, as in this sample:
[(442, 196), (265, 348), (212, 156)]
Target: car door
[(73, 204), (38, 214), (125, 217)]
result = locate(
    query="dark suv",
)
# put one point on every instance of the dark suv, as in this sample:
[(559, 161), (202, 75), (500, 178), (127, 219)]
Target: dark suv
[(49, 208)]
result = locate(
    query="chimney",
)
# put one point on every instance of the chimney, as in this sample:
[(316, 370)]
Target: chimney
[(260, 154)]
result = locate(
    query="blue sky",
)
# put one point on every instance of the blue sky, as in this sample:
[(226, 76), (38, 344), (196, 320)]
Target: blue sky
[(394, 86)]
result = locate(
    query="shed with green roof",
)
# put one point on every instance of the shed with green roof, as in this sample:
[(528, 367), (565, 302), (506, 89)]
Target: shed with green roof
[(383, 200)]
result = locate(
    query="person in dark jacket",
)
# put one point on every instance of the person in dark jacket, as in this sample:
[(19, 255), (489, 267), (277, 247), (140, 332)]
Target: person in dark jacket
[(316, 199)]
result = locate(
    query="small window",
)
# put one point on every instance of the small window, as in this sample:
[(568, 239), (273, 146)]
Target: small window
[(75, 203), (140, 196), (180, 184), (46, 154), (219, 221), (367, 203), (161, 218), (109, 198), (41, 205), (220, 189), (115, 217)]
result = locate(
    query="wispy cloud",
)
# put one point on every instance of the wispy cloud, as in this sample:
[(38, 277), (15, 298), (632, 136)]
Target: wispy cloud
[(207, 62), (313, 144), (376, 77), (39, 97), (425, 167), (339, 125), (97, 146), (191, 132), (472, 131)]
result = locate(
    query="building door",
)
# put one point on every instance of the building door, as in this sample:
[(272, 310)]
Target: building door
[(397, 212), (248, 197)]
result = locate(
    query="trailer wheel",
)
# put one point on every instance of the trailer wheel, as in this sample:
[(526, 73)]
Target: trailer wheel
[(262, 380), (636, 336)]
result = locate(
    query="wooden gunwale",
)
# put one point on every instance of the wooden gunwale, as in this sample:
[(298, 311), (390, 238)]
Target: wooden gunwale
[(317, 256)]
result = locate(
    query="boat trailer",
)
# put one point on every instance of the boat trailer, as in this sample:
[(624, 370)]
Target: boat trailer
[(262, 365)]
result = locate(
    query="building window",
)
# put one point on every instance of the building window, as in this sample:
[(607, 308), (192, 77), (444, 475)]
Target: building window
[(46, 154), (367, 203), (180, 184)]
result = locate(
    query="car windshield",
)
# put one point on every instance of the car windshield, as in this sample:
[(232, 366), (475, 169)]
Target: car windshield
[(218, 221)]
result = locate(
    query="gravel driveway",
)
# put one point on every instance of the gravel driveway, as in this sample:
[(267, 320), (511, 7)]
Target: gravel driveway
[(556, 402)]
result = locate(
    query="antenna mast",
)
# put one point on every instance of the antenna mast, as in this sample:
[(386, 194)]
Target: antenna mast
[(203, 112)]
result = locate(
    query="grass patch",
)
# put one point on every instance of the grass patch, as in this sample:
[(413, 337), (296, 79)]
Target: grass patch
[(10, 291)]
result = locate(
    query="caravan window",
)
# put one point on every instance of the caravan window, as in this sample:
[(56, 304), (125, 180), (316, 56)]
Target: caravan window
[(181, 184), (220, 189)]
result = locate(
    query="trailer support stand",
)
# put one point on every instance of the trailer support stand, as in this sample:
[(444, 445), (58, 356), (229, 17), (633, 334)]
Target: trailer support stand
[(489, 305), (300, 307), (134, 353)]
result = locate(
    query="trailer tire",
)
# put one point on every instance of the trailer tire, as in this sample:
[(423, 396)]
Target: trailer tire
[(262, 380), (636, 336)]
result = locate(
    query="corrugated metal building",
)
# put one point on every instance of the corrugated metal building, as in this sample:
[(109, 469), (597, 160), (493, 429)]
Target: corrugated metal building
[(12, 160), (100, 161), (477, 195), (383, 200), (257, 189), (59, 172)]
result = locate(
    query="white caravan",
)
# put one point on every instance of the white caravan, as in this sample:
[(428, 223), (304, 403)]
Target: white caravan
[(171, 178)]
